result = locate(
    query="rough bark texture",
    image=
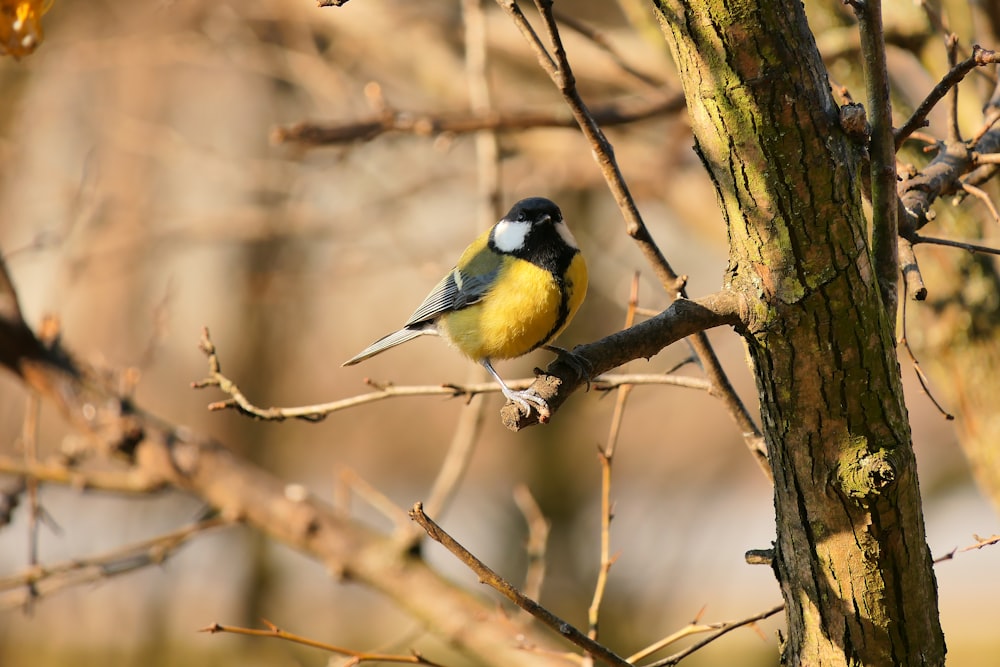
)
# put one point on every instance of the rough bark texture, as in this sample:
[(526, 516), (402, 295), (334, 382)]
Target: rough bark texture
[(850, 555)]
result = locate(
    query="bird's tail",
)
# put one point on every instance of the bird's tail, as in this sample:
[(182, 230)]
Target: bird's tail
[(392, 340)]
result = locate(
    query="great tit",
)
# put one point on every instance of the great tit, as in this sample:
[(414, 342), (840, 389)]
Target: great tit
[(513, 290)]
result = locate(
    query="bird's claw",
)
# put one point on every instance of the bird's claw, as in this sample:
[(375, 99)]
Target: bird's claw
[(525, 400)]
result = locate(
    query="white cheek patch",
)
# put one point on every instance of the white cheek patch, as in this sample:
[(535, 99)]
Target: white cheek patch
[(509, 236), (566, 235)]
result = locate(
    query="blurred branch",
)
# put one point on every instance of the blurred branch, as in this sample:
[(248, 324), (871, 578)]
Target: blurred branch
[(41, 580), (538, 538), (274, 632), (606, 457), (499, 584), (600, 40), (622, 112), (59, 471), (558, 68)]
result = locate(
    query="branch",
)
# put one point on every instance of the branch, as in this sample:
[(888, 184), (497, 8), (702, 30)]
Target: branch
[(621, 112), (980, 542), (606, 456), (971, 247), (883, 155), (40, 580), (274, 632), (499, 584), (131, 480), (980, 58), (681, 319), (723, 628)]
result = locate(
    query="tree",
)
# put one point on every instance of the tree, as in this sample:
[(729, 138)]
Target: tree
[(812, 298)]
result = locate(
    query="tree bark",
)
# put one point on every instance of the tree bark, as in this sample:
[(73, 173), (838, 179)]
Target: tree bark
[(850, 555)]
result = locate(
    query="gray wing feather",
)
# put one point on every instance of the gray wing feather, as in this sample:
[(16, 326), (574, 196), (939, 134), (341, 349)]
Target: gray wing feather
[(392, 340), (456, 290)]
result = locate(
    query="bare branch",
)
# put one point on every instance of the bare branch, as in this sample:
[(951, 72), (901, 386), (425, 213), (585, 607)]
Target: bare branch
[(723, 628), (274, 632), (59, 471), (971, 247), (980, 543), (681, 319), (41, 580), (921, 378), (882, 151), (980, 57), (622, 112), (606, 458), (912, 278), (602, 42), (499, 584)]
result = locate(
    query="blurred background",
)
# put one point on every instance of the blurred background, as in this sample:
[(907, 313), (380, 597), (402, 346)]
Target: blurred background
[(143, 198)]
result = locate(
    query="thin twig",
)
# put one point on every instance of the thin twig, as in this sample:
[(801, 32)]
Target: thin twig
[(971, 247), (980, 57), (724, 628), (47, 579), (601, 41), (499, 584), (979, 543), (606, 457), (274, 632), (470, 420), (983, 197), (921, 378)]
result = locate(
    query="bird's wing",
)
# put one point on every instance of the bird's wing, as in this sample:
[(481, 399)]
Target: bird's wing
[(456, 290)]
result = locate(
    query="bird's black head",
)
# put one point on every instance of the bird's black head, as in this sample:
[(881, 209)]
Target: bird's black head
[(534, 230), (534, 210)]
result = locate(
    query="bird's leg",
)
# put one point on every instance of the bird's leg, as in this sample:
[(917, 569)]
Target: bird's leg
[(584, 369), (522, 399)]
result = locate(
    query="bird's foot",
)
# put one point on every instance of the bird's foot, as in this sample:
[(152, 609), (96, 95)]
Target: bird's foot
[(526, 400)]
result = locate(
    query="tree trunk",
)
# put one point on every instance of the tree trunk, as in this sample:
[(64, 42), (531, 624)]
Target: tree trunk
[(851, 555)]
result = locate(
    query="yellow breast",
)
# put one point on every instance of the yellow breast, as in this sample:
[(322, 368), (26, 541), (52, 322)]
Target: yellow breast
[(525, 309)]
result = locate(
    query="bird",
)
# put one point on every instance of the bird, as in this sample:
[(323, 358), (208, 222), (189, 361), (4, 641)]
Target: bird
[(512, 291)]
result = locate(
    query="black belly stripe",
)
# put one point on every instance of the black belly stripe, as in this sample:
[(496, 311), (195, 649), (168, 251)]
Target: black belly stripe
[(563, 310)]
